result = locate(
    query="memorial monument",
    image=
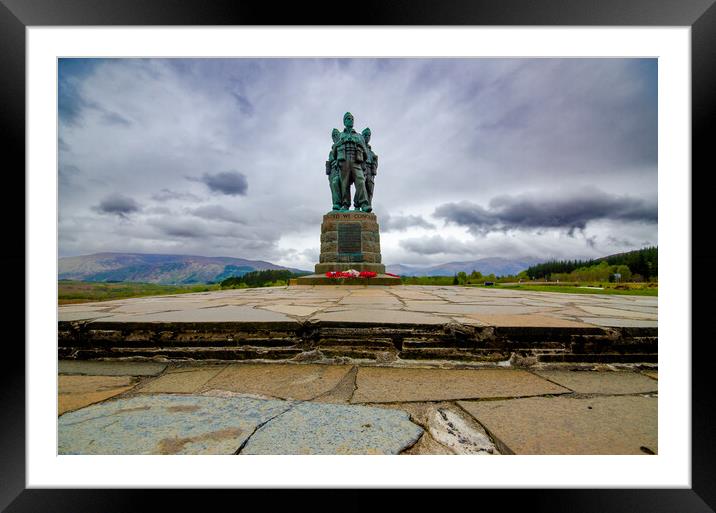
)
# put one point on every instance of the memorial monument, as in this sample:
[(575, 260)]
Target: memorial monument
[(350, 239)]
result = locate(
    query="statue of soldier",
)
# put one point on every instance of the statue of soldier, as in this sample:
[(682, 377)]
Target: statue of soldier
[(370, 166), (334, 174), (351, 151)]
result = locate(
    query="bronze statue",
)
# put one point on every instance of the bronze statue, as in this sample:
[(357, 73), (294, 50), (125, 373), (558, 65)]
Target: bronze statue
[(334, 177), (370, 166), (350, 152)]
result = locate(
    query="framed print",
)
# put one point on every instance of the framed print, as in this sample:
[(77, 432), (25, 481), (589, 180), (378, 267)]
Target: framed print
[(35, 33)]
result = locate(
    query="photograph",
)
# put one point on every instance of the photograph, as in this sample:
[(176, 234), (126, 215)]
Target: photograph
[(357, 256), (219, 300)]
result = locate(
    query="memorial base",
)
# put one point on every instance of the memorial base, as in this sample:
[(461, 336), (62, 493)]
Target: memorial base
[(349, 240), (322, 279)]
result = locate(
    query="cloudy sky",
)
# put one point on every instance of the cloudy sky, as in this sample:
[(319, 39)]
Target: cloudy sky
[(545, 158)]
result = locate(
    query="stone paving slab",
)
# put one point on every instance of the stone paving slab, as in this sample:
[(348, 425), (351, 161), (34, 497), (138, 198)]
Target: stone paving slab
[(75, 392), (377, 304), (316, 428), (213, 314), (286, 381), (111, 368), (183, 380), (164, 424), (380, 384), (380, 316), (585, 382), (611, 322), (531, 321), (448, 429), (565, 425)]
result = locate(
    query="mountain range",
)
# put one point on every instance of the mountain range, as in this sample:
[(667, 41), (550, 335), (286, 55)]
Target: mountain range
[(495, 265), (177, 269), (153, 268)]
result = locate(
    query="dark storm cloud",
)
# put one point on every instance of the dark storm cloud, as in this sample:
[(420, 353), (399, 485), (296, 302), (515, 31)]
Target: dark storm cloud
[(117, 204), (231, 183), (569, 211), (401, 223)]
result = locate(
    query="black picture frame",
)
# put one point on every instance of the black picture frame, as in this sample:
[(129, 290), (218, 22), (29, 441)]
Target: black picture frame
[(16, 15)]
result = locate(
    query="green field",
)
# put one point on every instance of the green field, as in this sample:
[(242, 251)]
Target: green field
[(69, 291)]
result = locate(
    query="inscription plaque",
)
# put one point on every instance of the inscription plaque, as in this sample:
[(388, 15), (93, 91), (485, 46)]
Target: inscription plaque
[(349, 237)]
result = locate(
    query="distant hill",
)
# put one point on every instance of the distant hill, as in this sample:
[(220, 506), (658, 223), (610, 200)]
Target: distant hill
[(154, 268), (496, 265)]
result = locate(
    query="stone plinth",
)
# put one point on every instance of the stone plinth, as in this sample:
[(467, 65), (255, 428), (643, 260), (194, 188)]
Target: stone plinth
[(350, 240)]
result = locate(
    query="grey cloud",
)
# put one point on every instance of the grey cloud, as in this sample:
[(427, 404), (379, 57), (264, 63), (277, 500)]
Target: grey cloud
[(401, 223), (112, 118), (67, 172), (245, 105), (434, 245), (568, 210), (231, 183), (217, 212), (117, 204), (167, 195)]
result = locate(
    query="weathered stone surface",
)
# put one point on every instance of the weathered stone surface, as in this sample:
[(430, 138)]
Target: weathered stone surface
[(564, 425), (111, 368), (164, 424), (329, 237), (379, 385), (75, 392), (81, 316), (529, 320), (182, 381), (214, 322), (369, 247), (331, 224), (364, 256), (587, 382), (217, 314), (316, 428), (289, 381), (461, 436), (293, 310), (624, 313), (613, 322), (382, 316)]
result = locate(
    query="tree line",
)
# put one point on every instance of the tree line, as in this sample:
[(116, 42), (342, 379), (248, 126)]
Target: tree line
[(642, 264), (266, 278)]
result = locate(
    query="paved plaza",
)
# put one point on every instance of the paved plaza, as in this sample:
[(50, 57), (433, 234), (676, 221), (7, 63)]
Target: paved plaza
[(125, 407), (354, 324), (359, 370), (476, 306)]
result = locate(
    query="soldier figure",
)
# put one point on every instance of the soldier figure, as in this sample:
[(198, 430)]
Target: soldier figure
[(333, 172), (370, 167), (350, 151)]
